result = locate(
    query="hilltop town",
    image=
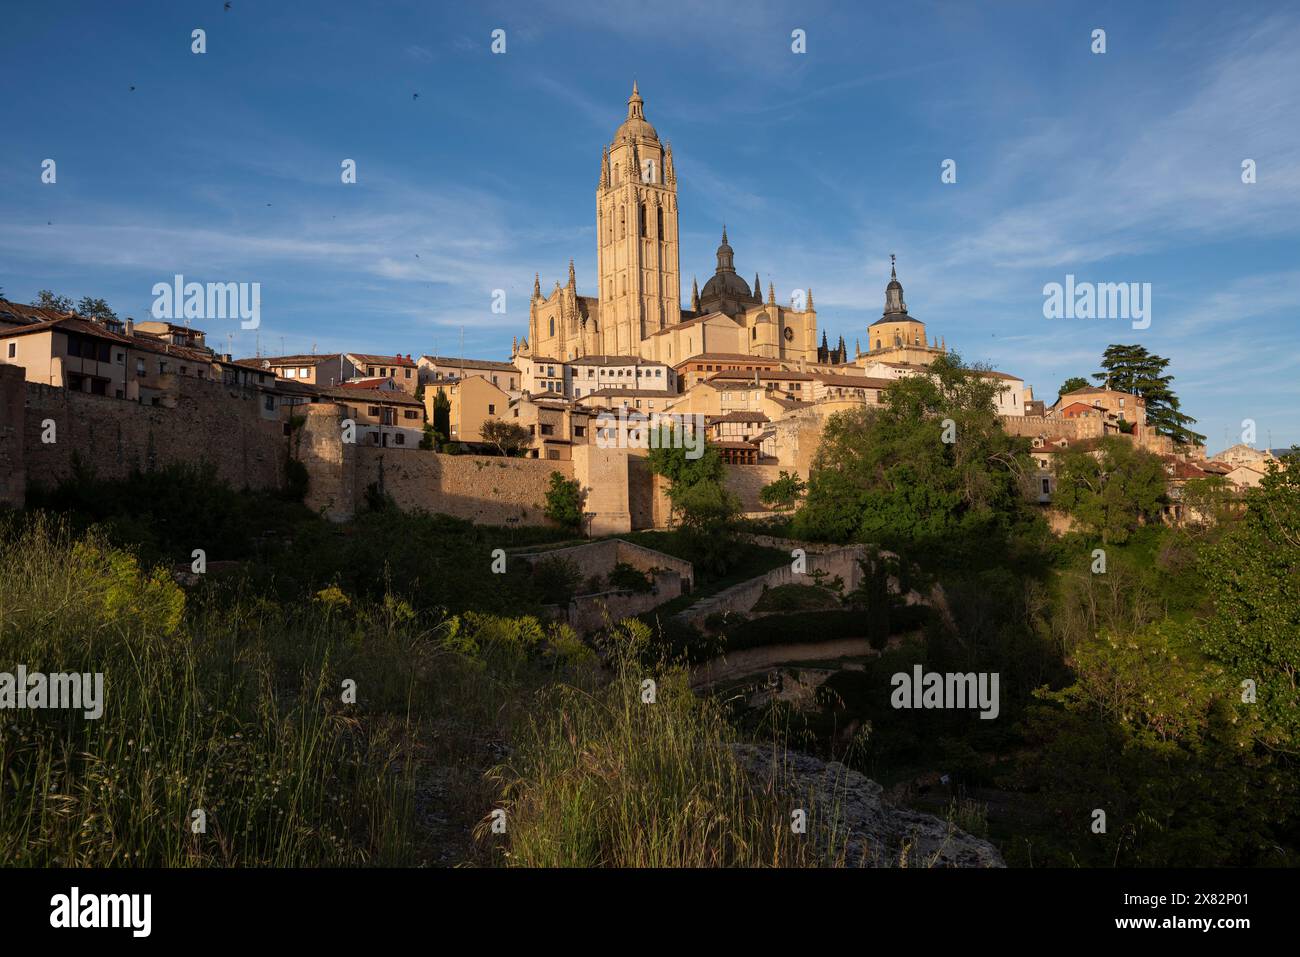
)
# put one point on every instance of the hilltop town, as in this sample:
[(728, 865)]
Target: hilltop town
[(743, 368)]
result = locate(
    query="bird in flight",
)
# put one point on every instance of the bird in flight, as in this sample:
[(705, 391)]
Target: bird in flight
[(415, 96), (132, 89), (227, 4)]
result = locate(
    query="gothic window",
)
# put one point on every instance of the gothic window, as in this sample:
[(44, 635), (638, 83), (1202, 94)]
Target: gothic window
[(643, 219), (648, 174), (552, 325), (877, 343), (615, 174), (660, 233), (622, 222)]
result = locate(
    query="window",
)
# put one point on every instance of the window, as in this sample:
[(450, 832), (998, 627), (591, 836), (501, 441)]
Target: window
[(590, 372), (162, 367), (579, 431), (548, 430), (643, 219), (492, 409), (13, 349), (370, 370), (372, 410), (291, 373), (408, 374), (1047, 486), (659, 373), (139, 367), (269, 402), (185, 370), (552, 325), (401, 439), (660, 233), (410, 414), (121, 358)]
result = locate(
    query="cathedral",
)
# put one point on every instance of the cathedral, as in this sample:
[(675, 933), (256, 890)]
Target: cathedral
[(637, 311)]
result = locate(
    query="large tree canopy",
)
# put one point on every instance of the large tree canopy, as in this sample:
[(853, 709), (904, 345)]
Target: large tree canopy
[(1134, 370), (886, 474), (1113, 490)]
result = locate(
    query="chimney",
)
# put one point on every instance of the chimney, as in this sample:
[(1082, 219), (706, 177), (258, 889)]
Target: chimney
[(130, 326)]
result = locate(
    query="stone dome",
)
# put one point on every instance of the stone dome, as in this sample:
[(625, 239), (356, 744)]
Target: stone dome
[(636, 127), (725, 283)]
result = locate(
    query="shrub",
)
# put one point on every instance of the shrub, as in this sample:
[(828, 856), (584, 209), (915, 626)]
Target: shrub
[(296, 480), (624, 575), (556, 579), (564, 501)]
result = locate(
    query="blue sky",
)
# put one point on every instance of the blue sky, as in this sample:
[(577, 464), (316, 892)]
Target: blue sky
[(1119, 167)]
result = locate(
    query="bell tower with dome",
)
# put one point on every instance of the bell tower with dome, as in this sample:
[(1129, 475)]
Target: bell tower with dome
[(636, 226), (897, 336), (637, 309)]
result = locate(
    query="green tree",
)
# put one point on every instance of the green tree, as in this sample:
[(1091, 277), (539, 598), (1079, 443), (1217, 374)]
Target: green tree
[(889, 475), (784, 491), (1073, 384), (1112, 490), (704, 506), (564, 501), (1254, 576), (95, 308), (1134, 370), (442, 417), (510, 438), (45, 299)]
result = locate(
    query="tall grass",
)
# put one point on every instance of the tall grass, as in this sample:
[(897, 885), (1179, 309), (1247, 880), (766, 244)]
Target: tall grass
[(201, 713), (602, 776)]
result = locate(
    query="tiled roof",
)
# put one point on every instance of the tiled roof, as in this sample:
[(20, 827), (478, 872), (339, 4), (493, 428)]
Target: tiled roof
[(301, 360), (382, 360), (854, 381), (392, 397), (70, 324), (20, 313), (725, 357), (737, 417), (768, 375), (470, 363), (634, 393)]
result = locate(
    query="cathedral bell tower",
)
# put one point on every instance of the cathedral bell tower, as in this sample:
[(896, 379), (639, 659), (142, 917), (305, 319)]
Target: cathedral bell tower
[(636, 236)]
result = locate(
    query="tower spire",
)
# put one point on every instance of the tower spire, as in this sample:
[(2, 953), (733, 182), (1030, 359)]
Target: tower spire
[(537, 285), (695, 295)]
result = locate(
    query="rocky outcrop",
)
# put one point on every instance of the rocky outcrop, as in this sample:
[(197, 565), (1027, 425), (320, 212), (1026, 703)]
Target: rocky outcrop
[(871, 832)]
